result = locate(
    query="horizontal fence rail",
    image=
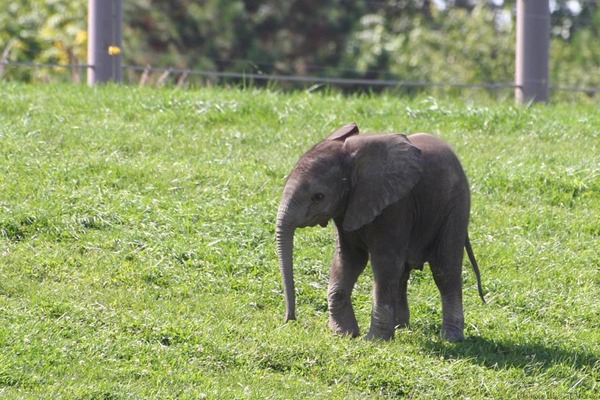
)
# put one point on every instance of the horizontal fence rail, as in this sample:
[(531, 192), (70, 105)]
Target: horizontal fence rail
[(302, 78)]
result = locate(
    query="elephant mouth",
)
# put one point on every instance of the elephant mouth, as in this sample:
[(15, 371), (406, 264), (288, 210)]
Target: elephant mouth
[(322, 221)]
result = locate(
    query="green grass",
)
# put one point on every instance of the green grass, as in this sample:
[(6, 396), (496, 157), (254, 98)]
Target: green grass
[(137, 255)]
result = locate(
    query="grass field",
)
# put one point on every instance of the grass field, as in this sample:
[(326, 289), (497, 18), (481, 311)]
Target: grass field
[(137, 251)]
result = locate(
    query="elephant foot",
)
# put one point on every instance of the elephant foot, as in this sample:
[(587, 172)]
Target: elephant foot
[(452, 334), (377, 335), (382, 323), (344, 329), (402, 325), (402, 321)]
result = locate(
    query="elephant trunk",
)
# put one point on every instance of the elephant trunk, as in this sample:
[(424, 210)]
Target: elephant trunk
[(285, 243)]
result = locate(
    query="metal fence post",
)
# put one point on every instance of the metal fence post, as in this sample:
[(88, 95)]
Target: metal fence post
[(533, 51), (105, 38)]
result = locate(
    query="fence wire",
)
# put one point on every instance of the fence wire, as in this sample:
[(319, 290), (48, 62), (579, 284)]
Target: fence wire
[(308, 79)]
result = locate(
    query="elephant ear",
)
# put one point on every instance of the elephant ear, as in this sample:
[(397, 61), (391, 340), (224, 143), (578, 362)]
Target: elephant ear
[(385, 169), (344, 132)]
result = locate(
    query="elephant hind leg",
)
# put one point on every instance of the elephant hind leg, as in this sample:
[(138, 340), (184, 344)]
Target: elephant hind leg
[(402, 317), (450, 287), (446, 267)]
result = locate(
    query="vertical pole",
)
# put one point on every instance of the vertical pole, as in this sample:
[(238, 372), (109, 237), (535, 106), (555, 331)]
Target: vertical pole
[(533, 51), (105, 31)]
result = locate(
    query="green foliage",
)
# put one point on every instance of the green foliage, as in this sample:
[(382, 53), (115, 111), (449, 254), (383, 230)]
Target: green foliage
[(182, 33), (137, 254), (455, 46), (251, 36), (582, 54), (414, 41), (44, 31)]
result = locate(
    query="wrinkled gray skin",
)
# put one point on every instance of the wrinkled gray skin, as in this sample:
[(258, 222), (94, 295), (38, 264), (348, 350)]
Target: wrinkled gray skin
[(397, 201)]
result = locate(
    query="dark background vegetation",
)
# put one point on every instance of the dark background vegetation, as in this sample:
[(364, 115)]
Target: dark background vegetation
[(436, 41)]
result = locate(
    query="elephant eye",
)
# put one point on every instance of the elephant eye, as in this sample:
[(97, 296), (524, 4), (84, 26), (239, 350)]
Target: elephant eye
[(317, 197)]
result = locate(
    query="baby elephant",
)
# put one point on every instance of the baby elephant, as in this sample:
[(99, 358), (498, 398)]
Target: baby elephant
[(400, 201)]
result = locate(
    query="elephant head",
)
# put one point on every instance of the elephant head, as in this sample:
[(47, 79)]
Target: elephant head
[(348, 177)]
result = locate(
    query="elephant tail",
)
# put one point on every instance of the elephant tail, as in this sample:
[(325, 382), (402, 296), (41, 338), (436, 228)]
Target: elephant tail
[(475, 267)]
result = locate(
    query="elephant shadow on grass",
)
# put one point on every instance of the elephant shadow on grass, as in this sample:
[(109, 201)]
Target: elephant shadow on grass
[(527, 356)]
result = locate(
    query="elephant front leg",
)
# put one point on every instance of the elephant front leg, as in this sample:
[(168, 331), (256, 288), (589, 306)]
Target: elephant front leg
[(342, 320), (345, 270), (385, 302)]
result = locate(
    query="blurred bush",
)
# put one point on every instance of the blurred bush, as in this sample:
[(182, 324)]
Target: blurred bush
[(440, 41)]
